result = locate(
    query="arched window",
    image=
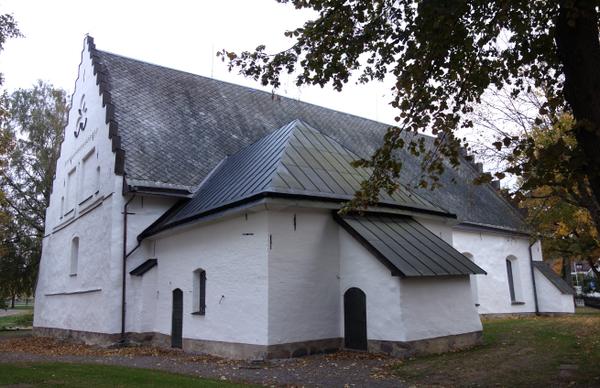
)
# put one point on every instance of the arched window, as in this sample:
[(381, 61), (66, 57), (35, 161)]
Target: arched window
[(199, 293), (473, 281), (514, 279), (74, 256)]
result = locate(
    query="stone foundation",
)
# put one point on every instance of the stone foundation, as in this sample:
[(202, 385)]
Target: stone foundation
[(426, 346), (242, 351), (491, 317), (87, 337), (506, 315)]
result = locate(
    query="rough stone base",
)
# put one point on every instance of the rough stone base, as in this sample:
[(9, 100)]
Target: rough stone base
[(87, 337), (493, 316), (230, 350), (426, 346), (244, 351)]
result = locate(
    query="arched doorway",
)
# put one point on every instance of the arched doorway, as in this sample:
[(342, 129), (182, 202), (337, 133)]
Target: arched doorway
[(177, 319), (355, 319)]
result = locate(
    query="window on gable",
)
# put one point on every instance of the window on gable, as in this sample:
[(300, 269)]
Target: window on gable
[(199, 293), (88, 175), (71, 191), (74, 256)]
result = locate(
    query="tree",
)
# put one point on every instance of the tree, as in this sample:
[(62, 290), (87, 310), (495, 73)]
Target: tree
[(444, 55), (32, 133), (8, 29), (554, 206)]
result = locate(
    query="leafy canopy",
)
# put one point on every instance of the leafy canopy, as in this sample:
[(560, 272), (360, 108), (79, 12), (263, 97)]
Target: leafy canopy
[(32, 134), (443, 56)]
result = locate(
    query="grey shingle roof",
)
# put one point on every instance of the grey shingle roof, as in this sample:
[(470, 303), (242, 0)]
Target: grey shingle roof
[(175, 128), (549, 274), (407, 247), (293, 160)]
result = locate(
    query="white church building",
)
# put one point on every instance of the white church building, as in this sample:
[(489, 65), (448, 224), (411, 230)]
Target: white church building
[(193, 213)]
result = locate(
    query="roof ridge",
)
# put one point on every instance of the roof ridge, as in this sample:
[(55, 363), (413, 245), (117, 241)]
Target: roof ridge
[(257, 90)]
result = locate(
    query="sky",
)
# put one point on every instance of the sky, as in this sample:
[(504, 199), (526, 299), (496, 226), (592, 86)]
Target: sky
[(184, 35), (181, 34)]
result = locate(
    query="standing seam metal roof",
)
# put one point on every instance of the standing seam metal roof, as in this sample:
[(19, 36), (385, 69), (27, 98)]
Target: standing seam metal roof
[(175, 127), (295, 159), (407, 247)]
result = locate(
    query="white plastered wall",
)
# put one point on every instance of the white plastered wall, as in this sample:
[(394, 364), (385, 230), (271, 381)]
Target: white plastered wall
[(304, 280), (550, 299), (233, 252), (141, 292), (401, 309), (490, 251), (88, 301)]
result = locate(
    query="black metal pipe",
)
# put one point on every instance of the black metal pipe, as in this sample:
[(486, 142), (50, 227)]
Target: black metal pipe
[(124, 279), (535, 297)]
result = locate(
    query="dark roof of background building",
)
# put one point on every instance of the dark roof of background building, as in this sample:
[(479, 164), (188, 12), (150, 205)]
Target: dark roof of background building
[(175, 128), (406, 247), (294, 161)]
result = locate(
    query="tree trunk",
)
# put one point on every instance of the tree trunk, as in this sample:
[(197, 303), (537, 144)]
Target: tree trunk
[(12, 302), (577, 41)]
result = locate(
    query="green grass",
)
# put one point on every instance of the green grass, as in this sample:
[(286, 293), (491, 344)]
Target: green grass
[(80, 375), (21, 320), (518, 352)]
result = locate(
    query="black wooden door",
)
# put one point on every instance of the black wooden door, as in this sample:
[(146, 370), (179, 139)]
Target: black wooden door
[(177, 319), (355, 319)]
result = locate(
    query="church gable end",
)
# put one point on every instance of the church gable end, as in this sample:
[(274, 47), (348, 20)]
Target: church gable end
[(88, 162)]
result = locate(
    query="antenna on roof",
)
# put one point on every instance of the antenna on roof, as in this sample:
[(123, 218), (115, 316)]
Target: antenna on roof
[(212, 60)]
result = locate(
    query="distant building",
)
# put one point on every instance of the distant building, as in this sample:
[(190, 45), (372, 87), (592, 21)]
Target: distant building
[(194, 213)]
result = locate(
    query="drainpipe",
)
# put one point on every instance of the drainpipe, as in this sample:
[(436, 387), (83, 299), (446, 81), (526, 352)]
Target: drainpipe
[(535, 297), (124, 280)]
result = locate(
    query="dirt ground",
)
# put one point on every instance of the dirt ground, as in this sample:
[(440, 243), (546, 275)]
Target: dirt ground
[(342, 369), (530, 352)]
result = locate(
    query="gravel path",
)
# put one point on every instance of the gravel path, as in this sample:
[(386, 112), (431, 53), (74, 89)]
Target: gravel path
[(342, 369)]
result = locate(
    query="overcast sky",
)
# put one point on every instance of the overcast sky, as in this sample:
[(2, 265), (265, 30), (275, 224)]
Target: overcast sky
[(180, 34)]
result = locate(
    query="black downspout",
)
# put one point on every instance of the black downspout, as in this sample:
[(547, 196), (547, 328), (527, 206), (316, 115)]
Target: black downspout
[(124, 280), (535, 298)]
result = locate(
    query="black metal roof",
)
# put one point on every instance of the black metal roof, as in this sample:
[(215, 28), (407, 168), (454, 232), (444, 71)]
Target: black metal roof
[(406, 247), (175, 127), (293, 160), (146, 266), (549, 274)]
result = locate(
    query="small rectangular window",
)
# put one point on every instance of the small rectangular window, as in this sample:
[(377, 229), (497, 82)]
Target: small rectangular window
[(88, 175), (199, 292), (511, 282), (71, 191), (74, 256)]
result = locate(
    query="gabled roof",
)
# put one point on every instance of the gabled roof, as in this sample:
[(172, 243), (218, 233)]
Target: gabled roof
[(295, 160), (556, 280), (406, 247), (175, 127)]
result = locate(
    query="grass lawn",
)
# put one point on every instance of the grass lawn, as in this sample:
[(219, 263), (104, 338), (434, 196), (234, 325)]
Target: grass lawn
[(532, 352), (79, 375), (20, 320)]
